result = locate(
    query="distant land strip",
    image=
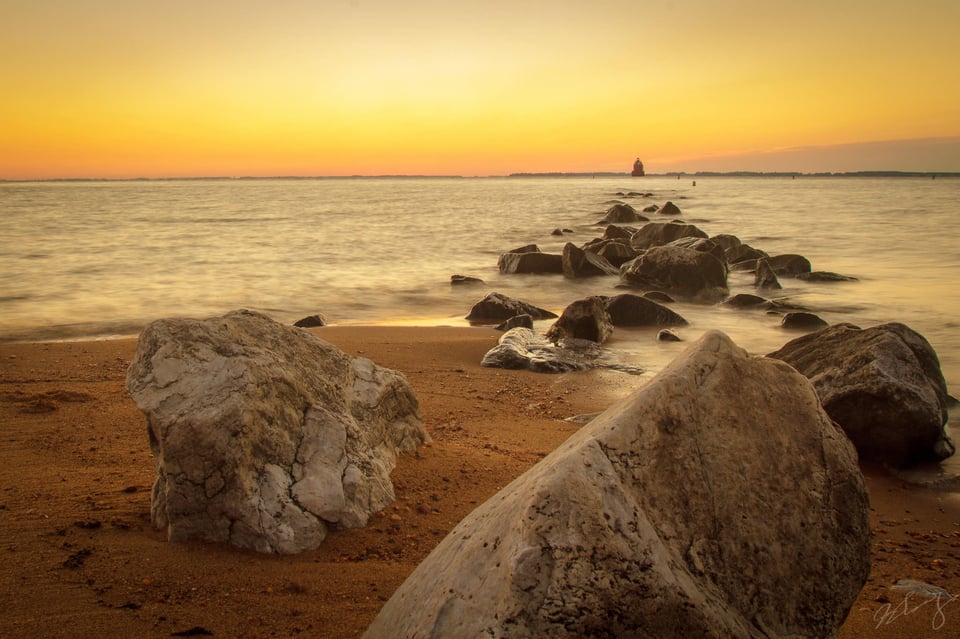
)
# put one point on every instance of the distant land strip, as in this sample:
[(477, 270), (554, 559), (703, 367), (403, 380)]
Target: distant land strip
[(558, 174)]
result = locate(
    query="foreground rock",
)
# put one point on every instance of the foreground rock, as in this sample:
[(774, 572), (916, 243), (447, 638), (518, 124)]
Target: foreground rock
[(882, 385), (717, 501), (265, 435)]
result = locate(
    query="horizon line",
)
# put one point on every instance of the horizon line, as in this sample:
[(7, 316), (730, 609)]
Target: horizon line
[(525, 174)]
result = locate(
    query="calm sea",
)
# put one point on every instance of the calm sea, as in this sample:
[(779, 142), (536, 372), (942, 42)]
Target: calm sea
[(95, 259)]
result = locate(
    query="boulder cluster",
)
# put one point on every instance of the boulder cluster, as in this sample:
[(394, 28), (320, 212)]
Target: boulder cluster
[(671, 259), (660, 261), (883, 385)]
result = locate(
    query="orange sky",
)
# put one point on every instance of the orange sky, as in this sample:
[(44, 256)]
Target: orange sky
[(110, 88)]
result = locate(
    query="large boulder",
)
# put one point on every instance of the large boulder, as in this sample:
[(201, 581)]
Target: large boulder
[(660, 233), (719, 500), (265, 435), (636, 310), (583, 319), (679, 270), (882, 385), (496, 307)]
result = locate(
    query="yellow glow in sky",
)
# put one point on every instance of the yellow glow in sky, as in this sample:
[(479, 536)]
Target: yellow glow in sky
[(114, 88)]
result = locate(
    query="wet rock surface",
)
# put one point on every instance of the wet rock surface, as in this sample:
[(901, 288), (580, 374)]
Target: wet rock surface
[(586, 319), (678, 270), (496, 307), (523, 348), (628, 309)]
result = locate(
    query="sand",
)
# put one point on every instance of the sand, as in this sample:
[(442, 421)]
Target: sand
[(81, 559)]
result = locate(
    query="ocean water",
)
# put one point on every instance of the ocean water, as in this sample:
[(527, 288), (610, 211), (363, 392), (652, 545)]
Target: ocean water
[(99, 259)]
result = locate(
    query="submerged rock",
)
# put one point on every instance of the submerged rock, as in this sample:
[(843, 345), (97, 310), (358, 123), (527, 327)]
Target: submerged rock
[(746, 300), (463, 280), (530, 262), (621, 213), (882, 385), (666, 335), (577, 262), (496, 307), (635, 310), (679, 512), (825, 276), (266, 436), (765, 277), (670, 209), (802, 320), (658, 296), (616, 252), (789, 264)]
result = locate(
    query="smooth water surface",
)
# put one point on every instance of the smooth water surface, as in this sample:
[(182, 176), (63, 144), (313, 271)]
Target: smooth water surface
[(91, 259)]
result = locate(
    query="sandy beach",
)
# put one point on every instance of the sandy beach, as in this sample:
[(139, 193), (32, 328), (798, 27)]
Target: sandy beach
[(81, 558)]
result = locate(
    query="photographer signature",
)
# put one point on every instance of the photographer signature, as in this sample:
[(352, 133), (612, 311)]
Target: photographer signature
[(917, 595)]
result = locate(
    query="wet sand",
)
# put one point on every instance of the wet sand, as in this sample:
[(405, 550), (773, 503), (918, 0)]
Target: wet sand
[(81, 558)]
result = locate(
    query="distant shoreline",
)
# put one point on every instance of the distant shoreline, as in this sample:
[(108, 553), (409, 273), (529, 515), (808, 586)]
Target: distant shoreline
[(678, 174)]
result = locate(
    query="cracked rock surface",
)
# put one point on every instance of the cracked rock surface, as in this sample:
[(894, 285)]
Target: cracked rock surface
[(265, 435), (719, 500)]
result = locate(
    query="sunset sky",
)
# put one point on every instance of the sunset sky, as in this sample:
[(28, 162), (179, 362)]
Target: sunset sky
[(125, 88)]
